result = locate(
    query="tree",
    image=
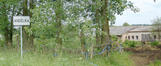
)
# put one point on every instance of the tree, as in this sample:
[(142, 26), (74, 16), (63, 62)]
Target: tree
[(59, 13), (102, 12), (7, 11), (68, 20), (105, 11), (28, 39), (125, 24), (51, 21), (157, 27)]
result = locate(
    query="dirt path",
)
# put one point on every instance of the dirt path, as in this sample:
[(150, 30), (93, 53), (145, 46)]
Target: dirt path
[(142, 56)]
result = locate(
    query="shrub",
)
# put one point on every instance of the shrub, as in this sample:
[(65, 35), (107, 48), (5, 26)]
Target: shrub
[(2, 43), (128, 43), (155, 63), (155, 43), (114, 38)]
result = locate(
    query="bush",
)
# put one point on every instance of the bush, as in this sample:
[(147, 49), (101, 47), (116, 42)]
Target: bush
[(2, 43), (155, 63), (155, 43), (128, 43), (114, 38)]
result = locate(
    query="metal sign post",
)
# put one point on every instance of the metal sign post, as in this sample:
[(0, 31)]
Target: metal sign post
[(20, 21), (21, 41)]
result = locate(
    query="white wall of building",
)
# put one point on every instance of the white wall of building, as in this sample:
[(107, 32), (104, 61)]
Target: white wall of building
[(134, 36)]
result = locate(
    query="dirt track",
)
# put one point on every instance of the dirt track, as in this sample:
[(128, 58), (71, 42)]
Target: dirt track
[(142, 56)]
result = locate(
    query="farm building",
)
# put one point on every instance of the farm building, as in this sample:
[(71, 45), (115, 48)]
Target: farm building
[(134, 33)]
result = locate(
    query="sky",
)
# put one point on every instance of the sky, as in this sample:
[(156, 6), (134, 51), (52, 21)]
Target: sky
[(149, 10)]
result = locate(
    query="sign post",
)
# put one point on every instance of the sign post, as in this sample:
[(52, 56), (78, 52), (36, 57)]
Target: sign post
[(21, 41), (21, 21)]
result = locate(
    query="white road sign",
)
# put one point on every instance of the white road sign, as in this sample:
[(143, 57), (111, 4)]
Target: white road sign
[(21, 20)]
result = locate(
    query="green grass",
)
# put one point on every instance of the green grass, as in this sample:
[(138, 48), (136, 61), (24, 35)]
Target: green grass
[(12, 58), (155, 63), (128, 43)]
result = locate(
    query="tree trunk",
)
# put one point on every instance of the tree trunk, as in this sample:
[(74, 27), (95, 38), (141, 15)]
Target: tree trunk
[(59, 15), (31, 37), (98, 40), (159, 35), (82, 40), (105, 36), (11, 27), (6, 30), (28, 39), (25, 35), (25, 10), (18, 41), (105, 28), (58, 33), (8, 44)]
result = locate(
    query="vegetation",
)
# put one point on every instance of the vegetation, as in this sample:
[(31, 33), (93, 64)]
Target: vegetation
[(128, 43), (12, 58), (63, 33), (61, 23), (7, 11), (155, 43), (157, 28), (155, 63), (126, 24)]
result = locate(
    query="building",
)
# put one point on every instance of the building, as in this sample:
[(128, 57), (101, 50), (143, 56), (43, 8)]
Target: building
[(134, 33)]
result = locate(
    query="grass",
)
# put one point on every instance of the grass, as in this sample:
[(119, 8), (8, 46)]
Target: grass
[(155, 63), (12, 58)]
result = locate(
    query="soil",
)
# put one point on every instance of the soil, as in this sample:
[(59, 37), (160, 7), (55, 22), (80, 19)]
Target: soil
[(144, 55)]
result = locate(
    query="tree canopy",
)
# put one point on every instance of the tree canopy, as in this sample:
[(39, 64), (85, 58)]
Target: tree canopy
[(126, 24), (157, 27), (63, 23)]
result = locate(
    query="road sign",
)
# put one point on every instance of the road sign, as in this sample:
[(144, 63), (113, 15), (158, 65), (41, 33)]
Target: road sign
[(21, 20)]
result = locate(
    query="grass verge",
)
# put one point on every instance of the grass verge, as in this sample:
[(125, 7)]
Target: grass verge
[(12, 58)]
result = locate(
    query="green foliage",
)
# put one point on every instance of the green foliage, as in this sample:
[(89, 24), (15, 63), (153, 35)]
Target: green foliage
[(156, 27), (128, 43), (42, 26), (155, 63), (115, 59), (114, 38), (122, 59), (2, 43), (12, 58), (74, 16), (155, 43), (16, 40), (44, 45), (126, 24), (4, 23), (6, 9), (42, 18)]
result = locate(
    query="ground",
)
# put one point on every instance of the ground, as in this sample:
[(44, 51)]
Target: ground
[(145, 55), (138, 56), (11, 57)]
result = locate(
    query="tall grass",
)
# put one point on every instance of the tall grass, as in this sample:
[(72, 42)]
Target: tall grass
[(155, 63), (12, 58)]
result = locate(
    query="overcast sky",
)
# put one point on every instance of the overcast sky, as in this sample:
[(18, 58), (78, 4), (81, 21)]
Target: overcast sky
[(149, 10)]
